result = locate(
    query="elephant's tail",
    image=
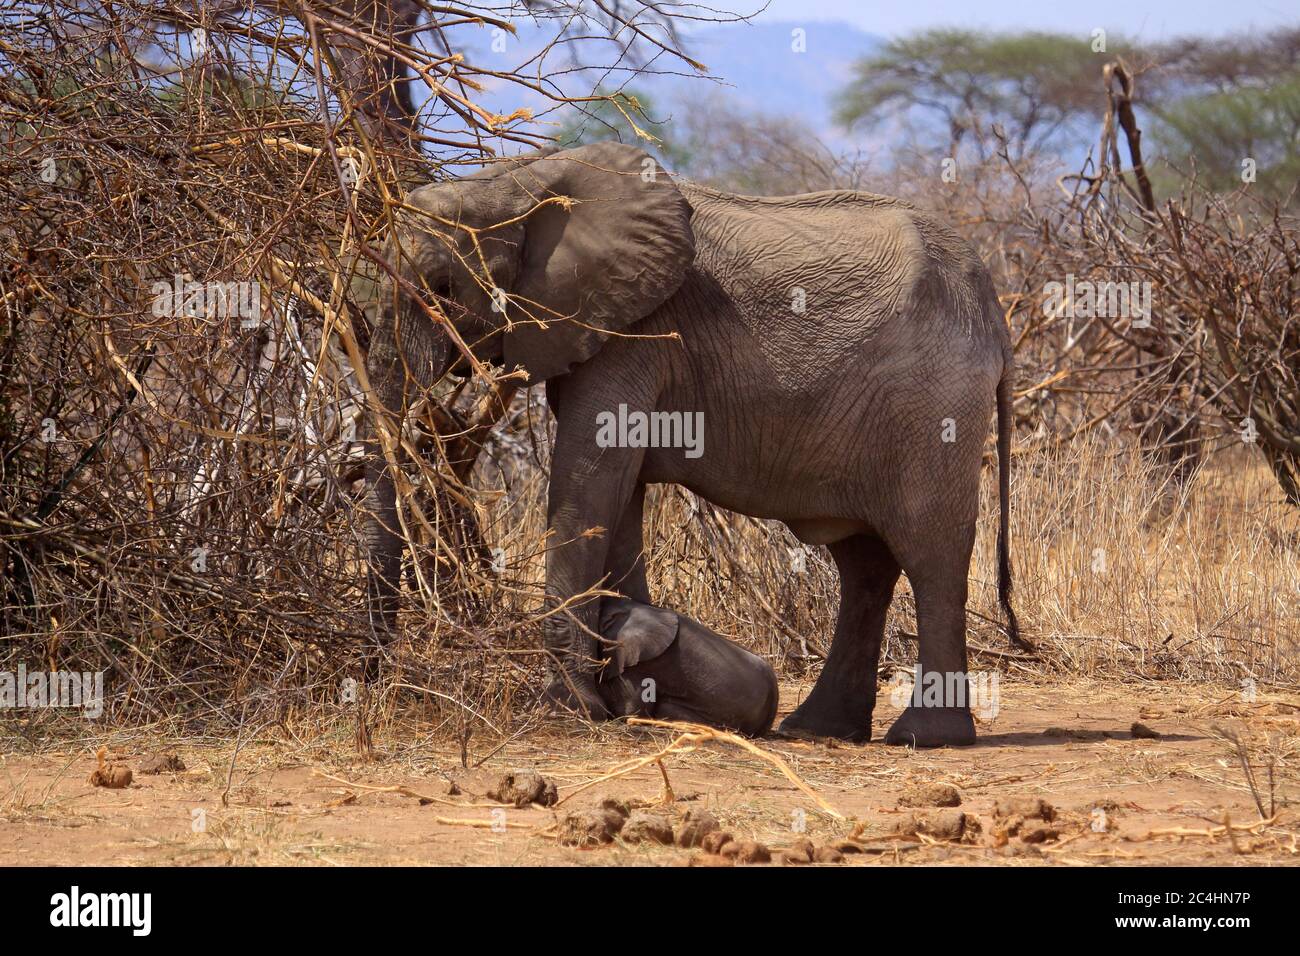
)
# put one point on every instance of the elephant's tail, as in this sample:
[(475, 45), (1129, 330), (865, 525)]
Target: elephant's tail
[(1005, 423)]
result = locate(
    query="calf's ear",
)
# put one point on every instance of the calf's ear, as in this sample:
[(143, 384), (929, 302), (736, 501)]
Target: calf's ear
[(637, 632)]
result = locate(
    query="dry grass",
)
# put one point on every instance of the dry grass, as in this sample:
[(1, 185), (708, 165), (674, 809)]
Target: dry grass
[(1120, 575)]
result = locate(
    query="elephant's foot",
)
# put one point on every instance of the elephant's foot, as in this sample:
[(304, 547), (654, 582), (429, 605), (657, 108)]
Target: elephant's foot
[(575, 691), (933, 727), (808, 720)]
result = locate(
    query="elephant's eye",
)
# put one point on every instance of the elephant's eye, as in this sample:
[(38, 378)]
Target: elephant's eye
[(443, 289)]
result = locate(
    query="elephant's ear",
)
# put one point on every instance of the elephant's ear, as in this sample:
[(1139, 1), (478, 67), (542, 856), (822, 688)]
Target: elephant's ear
[(638, 632), (598, 264)]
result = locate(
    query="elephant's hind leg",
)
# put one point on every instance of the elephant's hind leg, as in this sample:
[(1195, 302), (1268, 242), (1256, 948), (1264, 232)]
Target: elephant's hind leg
[(841, 702), (939, 714)]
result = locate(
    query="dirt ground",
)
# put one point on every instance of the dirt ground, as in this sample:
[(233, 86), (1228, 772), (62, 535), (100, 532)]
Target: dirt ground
[(1115, 798)]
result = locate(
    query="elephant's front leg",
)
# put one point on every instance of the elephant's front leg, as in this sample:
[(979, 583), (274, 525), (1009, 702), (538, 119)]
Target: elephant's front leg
[(625, 564), (591, 489)]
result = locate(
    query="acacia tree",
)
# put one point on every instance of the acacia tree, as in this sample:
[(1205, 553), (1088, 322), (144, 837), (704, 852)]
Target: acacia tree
[(1037, 87), (1232, 103)]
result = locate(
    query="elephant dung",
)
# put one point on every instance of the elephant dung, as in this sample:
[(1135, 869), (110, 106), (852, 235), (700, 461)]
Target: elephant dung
[(693, 828), (1026, 808), (162, 763), (590, 827), (827, 854), (715, 841), (1013, 816), (113, 776), (801, 852), (522, 787), (1039, 834), (930, 795), (954, 825), (621, 807), (746, 851), (645, 827)]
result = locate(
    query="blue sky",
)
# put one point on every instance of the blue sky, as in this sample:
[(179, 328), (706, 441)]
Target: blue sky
[(1147, 19)]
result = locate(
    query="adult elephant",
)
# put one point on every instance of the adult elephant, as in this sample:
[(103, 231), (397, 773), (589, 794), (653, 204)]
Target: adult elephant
[(845, 351)]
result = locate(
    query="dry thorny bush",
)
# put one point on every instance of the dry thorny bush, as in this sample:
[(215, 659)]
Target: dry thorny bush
[(180, 488)]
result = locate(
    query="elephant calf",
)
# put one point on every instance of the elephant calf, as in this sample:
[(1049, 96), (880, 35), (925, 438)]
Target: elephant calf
[(658, 663)]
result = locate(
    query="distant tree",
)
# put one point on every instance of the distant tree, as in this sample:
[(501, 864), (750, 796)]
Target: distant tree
[(713, 141), (1220, 131), (1224, 64), (1034, 85), (1218, 103)]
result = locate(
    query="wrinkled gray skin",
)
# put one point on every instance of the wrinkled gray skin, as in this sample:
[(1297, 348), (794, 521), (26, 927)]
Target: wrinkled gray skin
[(831, 418)]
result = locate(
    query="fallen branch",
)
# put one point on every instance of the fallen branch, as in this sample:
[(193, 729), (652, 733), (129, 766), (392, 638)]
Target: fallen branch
[(1214, 832)]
